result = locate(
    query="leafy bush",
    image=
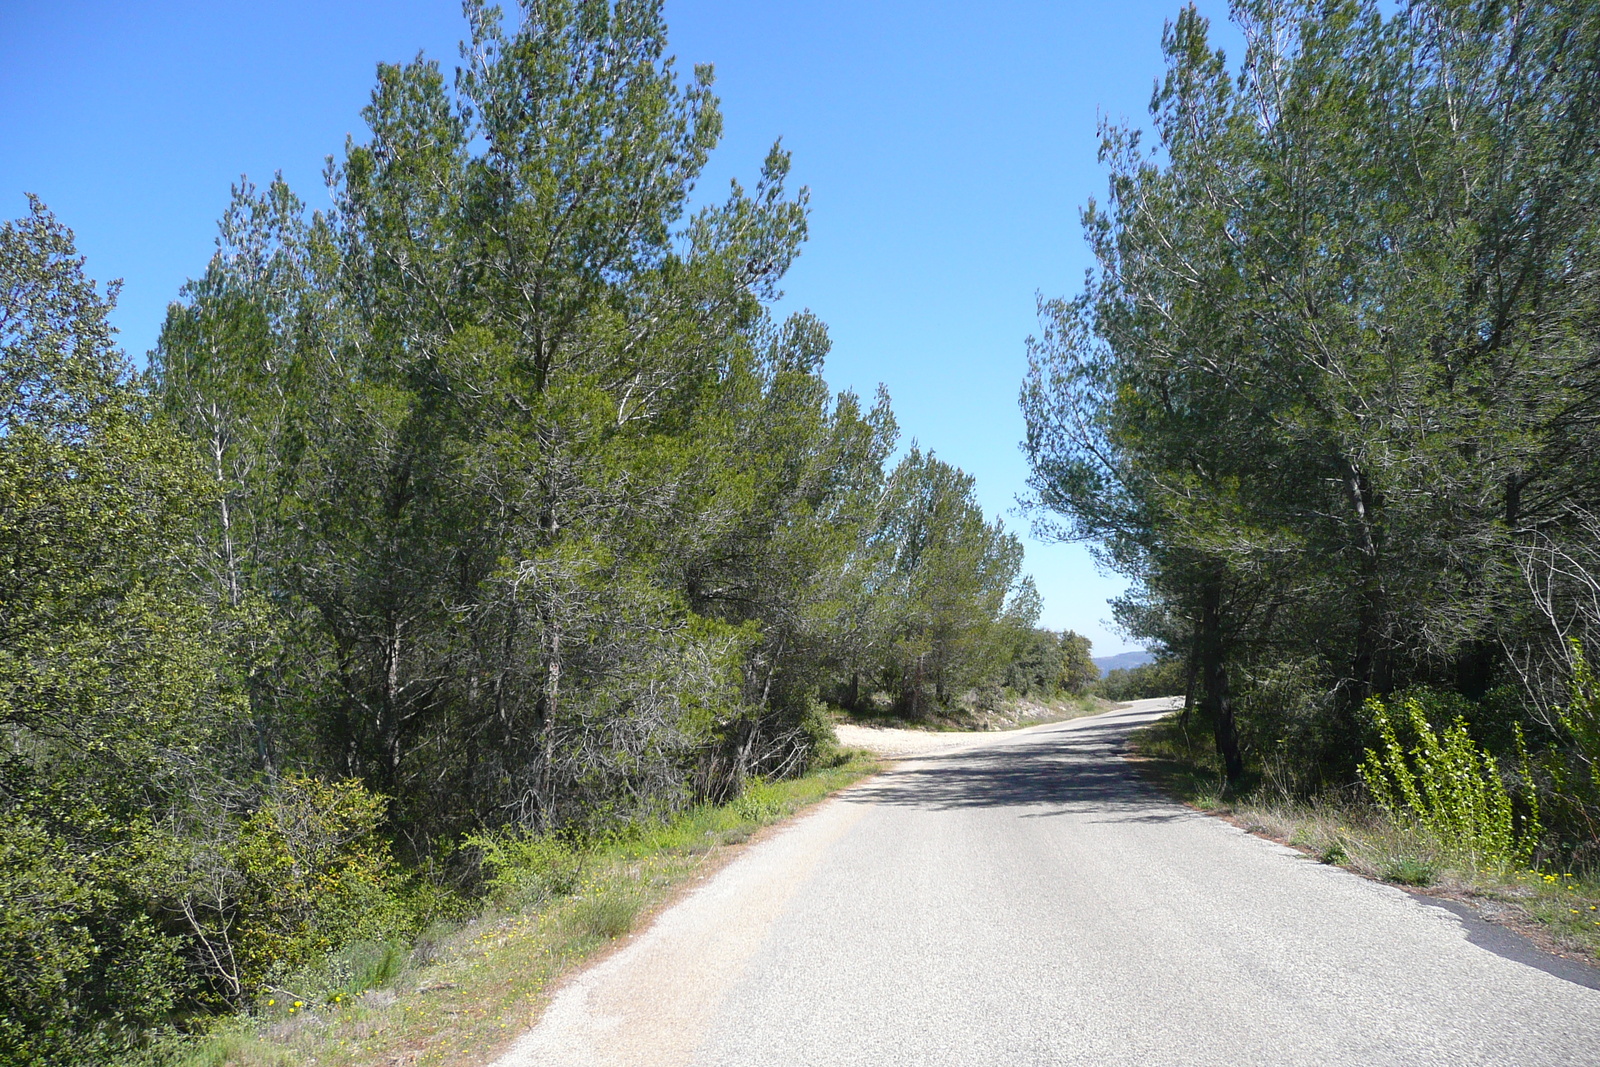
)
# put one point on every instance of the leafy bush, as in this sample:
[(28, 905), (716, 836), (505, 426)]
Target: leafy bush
[(1580, 717), (316, 873), (112, 691), (305, 874), (84, 971), (1445, 785), (1569, 769), (1286, 725), (523, 867)]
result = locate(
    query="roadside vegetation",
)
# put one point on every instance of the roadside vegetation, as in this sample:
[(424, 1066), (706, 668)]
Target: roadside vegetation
[(1011, 713), (1530, 892), (1162, 678), (1330, 401), (462, 989), (1046, 676)]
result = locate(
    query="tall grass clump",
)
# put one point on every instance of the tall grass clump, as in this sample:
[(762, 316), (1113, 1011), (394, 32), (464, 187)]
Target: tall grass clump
[(1446, 787)]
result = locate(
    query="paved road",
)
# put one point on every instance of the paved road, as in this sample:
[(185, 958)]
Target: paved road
[(1022, 899)]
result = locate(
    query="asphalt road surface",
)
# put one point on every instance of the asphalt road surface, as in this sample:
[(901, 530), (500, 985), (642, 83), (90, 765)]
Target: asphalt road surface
[(1019, 899)]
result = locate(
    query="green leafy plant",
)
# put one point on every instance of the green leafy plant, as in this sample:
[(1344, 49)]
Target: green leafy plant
[(1581, 716), (523, 867), (1446, 786), (1410, 870)]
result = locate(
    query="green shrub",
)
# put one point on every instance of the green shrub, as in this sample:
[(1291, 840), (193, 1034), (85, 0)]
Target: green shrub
[(1284, 711), (523, 867), (1581, 715), (821, 741), (316, 875), (305, 874), (84, 971), (1446, 786)]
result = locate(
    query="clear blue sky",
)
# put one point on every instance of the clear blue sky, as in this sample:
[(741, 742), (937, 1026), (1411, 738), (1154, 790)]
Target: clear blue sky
[(948, 148)]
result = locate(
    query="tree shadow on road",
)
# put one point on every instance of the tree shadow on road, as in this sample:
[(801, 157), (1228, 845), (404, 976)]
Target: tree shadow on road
[(1071, 771)]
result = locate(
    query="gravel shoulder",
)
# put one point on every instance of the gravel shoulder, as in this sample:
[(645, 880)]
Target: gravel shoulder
[(893, 743)]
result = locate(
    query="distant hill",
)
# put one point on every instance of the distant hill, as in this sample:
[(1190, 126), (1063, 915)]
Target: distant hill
[(1122, 661)]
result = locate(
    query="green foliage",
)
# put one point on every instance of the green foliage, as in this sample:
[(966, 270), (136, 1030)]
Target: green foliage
[(523, 867), (1580, 716), (1162, 678), (1446, 785), (956, 603), (84, 969), (531, 509), (271, 895), (1044, 663), (1285, 715), (112, 693), (1569, 793), (1321, 401), (313, 875), (1077, 671), (491, 504), (1035, 663)]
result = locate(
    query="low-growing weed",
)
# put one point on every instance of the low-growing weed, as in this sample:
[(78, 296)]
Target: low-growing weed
[(609, 912), (759, 802), (367, 965), (1410, 870)]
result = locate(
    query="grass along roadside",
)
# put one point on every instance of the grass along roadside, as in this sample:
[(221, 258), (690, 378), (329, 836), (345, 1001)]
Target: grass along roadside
[(1557, 910), (459, 994)]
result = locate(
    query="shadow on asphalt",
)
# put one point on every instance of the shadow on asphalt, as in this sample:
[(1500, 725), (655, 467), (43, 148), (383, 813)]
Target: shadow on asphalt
[(1067, 771)]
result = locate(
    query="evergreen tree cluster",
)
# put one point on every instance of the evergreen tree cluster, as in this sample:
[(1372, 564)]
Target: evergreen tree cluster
[(492, 497), (1330, 396)]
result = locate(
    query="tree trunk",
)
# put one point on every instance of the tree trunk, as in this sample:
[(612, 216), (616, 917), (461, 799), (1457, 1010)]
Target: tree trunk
[(1191, 676), (547, 739), (1217, 703), (1371, 661)]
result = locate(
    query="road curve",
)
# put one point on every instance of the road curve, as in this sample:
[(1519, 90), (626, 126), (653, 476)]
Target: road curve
[(1022, 899)]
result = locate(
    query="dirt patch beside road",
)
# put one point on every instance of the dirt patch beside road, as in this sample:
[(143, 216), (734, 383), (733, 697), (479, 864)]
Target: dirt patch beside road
[(893, 743)]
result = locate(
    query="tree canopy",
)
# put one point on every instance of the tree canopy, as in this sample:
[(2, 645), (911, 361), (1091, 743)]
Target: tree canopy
[(1330, 390), (492, 499)]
